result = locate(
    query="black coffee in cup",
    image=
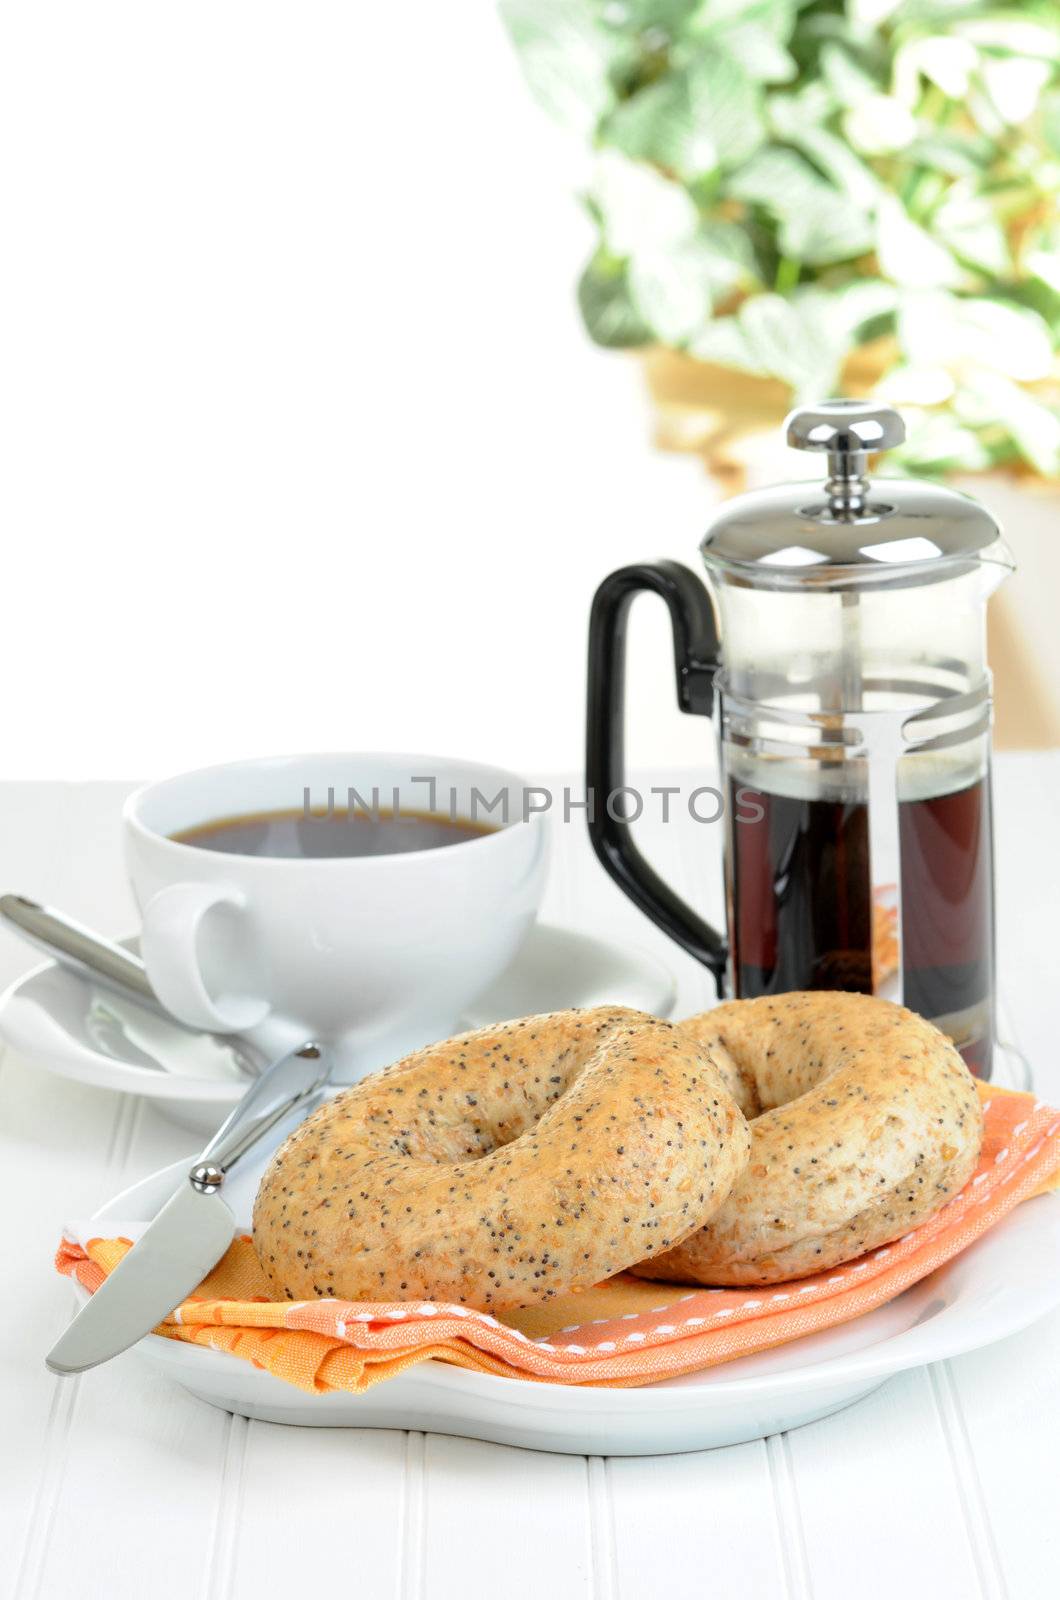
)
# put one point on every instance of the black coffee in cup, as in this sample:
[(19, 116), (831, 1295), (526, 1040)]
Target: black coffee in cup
[(324, 835)]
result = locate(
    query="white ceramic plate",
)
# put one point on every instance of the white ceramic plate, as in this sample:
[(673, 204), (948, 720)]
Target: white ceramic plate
[(80, 1031), (998, 1286)]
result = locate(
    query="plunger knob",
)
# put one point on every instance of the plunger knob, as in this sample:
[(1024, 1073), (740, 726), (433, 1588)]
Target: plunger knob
[(846, 430)]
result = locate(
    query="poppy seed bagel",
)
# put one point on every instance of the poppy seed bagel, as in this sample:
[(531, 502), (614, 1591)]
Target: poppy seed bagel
[(505, 1166), (865, 1122)]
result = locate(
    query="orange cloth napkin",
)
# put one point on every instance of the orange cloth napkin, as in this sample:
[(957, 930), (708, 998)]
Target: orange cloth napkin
[(623, 1333)]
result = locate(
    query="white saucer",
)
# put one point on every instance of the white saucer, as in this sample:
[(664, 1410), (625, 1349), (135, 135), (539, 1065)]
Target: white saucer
[(995, 1288), (79, 1031)]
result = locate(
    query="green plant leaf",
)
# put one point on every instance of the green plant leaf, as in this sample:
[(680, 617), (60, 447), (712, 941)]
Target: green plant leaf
[(908, 254), (849, 83), (725, 343), (990, 401), (966, 156), (671, 292), (760, 54), (753, 33), (1040, 288), (693, 122), (851, 176), (1045, 265), (879, 125), (708, 16), (853, 306), (1013, 87), (909, 384), (566, 57), (792, 115), (670, 17), (639, 209), (966, 224), (1009, 33), (728, 257), (606, 307), (657, 124), (832, 231), (865, 15), (936, 443), (817, 224), (946, 62), (794, 338), (925, 325), (963, 334), (1012, 340), (674, 290), (1051, 120)]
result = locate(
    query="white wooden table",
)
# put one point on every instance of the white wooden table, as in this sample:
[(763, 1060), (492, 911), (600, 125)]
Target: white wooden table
[(942, 1484)]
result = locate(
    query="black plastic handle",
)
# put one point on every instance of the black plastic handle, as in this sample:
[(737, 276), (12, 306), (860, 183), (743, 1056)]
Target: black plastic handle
[(695, 663)]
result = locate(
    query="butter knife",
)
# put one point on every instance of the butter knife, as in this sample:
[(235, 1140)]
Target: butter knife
[(193, 1229)]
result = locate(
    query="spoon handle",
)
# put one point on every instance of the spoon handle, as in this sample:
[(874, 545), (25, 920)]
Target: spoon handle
[(84, 952), (101, 961)]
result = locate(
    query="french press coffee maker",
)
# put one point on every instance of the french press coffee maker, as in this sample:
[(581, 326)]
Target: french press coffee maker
[(841, 650)]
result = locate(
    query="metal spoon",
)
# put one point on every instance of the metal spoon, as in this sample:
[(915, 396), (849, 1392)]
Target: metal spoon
[(101, 961)]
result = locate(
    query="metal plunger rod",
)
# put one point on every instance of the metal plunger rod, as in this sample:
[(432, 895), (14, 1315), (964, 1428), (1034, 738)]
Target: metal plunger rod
[(845, 431), (847, 485)]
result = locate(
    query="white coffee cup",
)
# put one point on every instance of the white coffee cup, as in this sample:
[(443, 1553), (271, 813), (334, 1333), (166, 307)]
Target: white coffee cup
[(374, 954)]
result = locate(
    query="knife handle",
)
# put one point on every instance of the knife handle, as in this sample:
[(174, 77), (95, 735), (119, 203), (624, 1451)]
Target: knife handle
[(288, 1083)]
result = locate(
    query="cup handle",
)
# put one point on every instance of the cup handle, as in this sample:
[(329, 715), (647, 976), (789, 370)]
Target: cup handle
[(173, 945)]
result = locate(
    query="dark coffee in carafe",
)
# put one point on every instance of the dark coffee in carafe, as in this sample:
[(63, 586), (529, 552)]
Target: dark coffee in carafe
[(804, 917)]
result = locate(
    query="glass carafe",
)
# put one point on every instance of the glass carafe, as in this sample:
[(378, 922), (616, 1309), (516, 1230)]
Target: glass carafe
[(842, 654)]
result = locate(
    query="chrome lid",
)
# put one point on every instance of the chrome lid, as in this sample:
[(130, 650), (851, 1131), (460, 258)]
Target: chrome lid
[(850, 533)]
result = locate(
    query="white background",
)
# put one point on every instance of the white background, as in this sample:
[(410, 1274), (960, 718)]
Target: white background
[(303, 445)]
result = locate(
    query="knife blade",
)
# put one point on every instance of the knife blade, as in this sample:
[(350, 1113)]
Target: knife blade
[(188, 1236), (193, 1229)]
